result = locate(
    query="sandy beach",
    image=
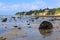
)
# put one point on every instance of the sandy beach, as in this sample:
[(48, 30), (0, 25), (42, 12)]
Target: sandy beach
[(29, 29), (11, 35)]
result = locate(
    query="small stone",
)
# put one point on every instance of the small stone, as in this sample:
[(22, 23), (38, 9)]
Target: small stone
[(32, 20), (28, 24), (29, 27), (27, 21), (13, 17), (19, 28), (15, 26)]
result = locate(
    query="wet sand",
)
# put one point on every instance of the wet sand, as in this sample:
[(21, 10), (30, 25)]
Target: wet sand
[(11, 35), (33, 33), (29, 29)]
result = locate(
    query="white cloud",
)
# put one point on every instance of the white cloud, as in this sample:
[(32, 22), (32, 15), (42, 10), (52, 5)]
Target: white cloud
[(32, 6), (25, 6), (37, 4), (14, 7), (8, 7)]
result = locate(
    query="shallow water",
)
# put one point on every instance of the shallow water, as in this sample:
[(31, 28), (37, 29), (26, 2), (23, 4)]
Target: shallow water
[(3, 30), (53, 34), (33, 33)]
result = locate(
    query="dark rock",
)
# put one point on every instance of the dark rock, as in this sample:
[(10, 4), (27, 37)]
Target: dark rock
[(36, 17), (28, 24), (27, 21), (15, 26), (4, 20), (51, 19), (29, 27), (19, 28), (32, 20), (5, 27), (14, 18), (19, 17), (2, 38), (46, 25)]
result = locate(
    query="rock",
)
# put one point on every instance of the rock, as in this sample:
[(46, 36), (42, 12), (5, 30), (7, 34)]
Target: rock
[(46, 25), (14, 18), (36, 17), (19, 28), (29, 27), (4, 20), (5, 27), (2, 38), (19, 17), (32, 20), (28, 24), (51, 19), (27, 21), (15, 26)]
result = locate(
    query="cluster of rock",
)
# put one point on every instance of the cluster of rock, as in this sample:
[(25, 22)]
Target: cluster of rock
[(28, 20)]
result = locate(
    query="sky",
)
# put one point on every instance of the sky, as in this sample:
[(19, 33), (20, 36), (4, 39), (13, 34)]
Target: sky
[(10, 7)]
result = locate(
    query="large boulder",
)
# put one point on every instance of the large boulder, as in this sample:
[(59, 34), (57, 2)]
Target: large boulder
[(46, 25)]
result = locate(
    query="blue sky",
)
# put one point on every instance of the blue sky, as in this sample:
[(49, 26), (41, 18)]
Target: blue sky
[(10, 7)]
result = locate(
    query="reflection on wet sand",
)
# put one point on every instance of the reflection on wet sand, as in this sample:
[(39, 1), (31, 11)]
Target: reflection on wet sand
[(46, 32)]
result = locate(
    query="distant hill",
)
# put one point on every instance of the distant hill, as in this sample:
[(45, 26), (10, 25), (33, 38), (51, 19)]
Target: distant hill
[(46, 11)]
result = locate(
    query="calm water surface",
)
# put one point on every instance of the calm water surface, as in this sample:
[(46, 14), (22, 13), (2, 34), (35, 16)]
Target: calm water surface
[(53, 34)]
